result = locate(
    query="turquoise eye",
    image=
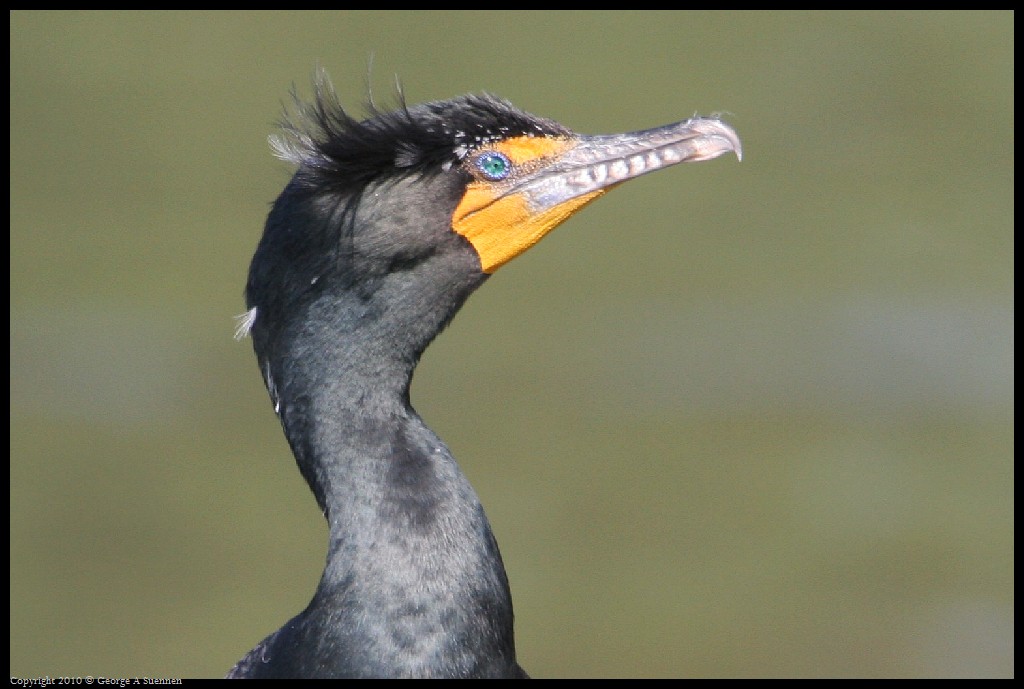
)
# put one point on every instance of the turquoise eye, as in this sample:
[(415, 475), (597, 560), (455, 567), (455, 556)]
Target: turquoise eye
[(494, 165)]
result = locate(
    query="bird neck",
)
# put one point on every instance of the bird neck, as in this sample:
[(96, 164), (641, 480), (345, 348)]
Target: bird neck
[(410, 547), (339, 373)]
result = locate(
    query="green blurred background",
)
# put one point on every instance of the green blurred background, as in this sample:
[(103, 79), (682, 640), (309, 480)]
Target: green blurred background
[(735, 419)]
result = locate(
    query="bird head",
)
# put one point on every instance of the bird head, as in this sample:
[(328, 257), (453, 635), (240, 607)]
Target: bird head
[(447, 191)]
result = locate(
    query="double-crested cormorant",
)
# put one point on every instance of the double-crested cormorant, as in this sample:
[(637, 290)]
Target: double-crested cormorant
[(387, 226)]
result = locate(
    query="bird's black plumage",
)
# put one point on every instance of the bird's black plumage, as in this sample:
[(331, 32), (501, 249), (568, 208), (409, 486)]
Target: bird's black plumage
[(361, 264), (339, 153)]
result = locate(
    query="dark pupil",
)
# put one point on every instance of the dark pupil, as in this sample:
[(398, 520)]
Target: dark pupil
[(494, 165)]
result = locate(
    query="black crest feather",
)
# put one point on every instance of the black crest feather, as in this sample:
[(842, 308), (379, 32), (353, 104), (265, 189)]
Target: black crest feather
[(337, 152)]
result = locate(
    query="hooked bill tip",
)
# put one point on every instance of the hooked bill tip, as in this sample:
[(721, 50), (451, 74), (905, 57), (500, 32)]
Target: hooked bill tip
[(720, 137)]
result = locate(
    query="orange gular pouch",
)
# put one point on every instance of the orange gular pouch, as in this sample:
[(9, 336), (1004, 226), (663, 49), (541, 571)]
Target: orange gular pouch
[(495, 216)]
